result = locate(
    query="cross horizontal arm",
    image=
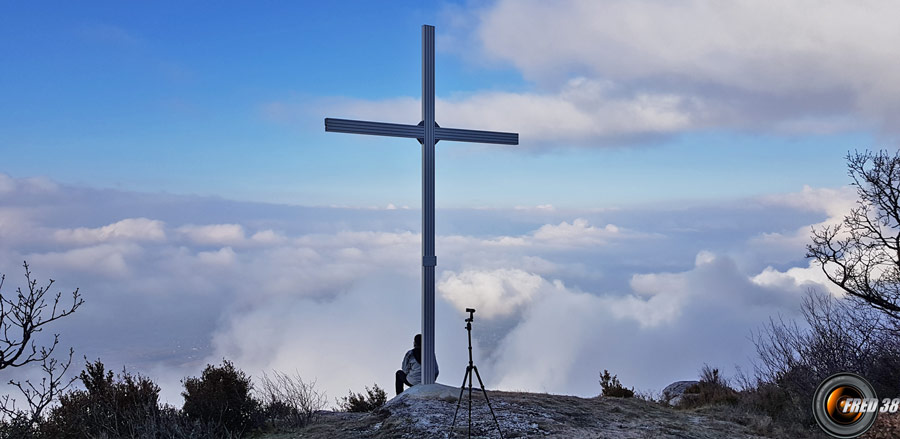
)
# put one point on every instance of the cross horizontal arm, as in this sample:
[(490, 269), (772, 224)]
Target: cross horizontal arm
[(459, 135), (418, 132), (374, 128)]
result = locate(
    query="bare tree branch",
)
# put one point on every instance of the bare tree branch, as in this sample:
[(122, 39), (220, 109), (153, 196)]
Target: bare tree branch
[(40, 396), (862, 254), (25, 315)]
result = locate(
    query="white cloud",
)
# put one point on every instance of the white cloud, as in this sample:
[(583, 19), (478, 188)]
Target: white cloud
[(582, 109), (564, 235), (104, 259), (720, 42), (578, 233), (542, 353), (222, 257), (798, 279), (834, 202), (492, 293), (539, 207), (797, 59), (131, 229), (16, 224), (781, 245), (214, 234), (267, 237)]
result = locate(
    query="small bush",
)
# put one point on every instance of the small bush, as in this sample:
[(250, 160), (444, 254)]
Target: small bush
[(712, 389), (116, 406), (374, 398), (221, 399), (611, 386), (776, 402), (18, 425)]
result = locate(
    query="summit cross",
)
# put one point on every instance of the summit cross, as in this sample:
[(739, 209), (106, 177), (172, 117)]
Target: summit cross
[(428, 134)]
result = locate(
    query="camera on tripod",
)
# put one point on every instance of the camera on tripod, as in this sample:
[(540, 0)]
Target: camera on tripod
[(471, 370)]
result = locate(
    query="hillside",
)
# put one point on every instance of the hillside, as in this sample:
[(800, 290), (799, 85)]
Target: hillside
[(427, 411)]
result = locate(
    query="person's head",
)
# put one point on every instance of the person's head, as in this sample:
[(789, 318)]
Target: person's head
[(417, 341)]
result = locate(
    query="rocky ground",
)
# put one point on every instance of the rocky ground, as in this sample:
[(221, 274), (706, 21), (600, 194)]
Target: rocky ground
[(427, 411)]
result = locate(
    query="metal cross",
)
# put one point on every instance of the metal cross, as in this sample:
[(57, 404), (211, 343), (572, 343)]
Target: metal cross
[(428, 133)]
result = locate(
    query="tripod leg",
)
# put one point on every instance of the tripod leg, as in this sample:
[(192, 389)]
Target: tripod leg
[(471, 367), (488, 400), (459, 400)]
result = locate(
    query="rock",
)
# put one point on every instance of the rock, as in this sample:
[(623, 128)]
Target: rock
[(673, 393), (428, 391)]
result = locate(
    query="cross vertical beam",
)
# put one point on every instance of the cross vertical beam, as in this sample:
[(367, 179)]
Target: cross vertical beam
[(429, 259), (427, 133)]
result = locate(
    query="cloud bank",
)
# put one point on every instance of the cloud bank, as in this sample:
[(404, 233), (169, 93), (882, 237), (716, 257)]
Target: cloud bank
[(174, 282)]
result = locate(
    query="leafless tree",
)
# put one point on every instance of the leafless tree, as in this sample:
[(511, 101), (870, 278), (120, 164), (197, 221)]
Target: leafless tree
[(838, 336), (22, 317), (40, 396), (841, 336), (862, 254)]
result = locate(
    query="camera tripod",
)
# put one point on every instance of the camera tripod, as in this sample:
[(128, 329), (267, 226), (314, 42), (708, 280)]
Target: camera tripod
[(469, 369)]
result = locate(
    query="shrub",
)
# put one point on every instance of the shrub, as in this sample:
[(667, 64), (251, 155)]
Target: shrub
[(116, 406), (838, 336), (712, 389), (18, 425), (221, 399), (374, 398), (611, 386)]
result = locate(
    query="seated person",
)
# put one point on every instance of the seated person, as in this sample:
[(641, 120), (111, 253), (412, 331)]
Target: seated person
[(411, 372)]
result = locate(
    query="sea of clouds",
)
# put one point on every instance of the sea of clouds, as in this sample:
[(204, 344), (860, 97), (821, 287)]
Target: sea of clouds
[(174, 282)]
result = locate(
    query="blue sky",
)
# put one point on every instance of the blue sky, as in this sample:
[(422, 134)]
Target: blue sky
[(168, 97), (170, 160), (174, 97)]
